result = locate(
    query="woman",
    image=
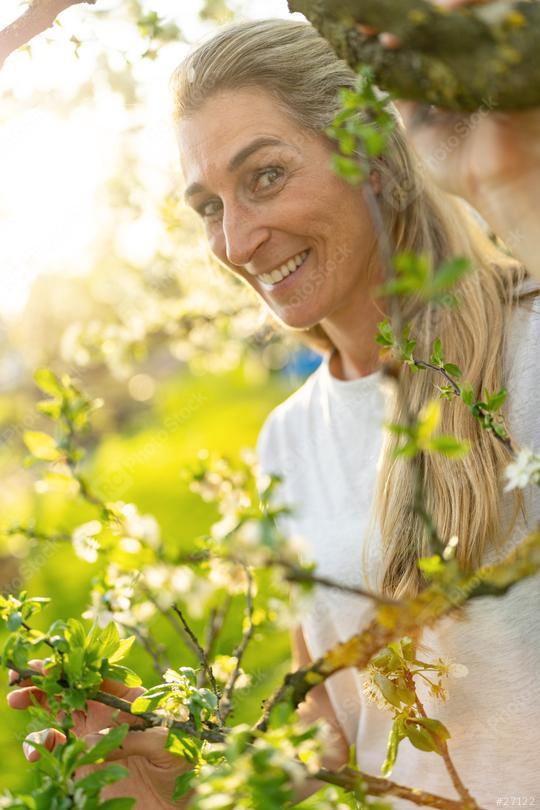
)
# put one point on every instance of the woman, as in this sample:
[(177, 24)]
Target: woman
[(256, 165)]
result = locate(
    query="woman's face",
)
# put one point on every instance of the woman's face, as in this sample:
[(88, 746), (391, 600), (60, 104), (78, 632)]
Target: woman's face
[(275, 212)]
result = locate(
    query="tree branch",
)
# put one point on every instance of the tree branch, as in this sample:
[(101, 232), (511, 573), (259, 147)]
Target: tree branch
[(226, 701), (201, 654), (462, 59), (392, 622), (39, 16), (347, 778)]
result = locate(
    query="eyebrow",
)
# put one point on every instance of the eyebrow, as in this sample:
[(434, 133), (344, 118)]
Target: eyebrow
[(239, 158)]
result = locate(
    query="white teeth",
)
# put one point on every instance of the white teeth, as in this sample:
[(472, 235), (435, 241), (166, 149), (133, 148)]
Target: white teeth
[(284, 270)]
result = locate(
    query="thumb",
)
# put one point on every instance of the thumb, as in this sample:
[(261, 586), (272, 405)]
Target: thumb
[(48, 737), (149, 744)]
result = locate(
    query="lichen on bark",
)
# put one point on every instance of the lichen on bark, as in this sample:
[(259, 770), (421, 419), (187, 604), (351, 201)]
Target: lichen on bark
[(481, 56)]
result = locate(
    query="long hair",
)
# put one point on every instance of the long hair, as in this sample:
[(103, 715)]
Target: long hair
[(293, 62)]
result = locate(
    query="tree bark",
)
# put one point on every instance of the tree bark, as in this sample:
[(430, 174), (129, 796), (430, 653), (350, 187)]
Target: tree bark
[(39, 16), (479, 56)]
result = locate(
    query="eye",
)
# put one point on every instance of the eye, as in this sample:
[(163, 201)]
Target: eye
[(206, 211), (271, 173)]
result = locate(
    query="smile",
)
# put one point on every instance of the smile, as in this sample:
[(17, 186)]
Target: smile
[(273, 278)]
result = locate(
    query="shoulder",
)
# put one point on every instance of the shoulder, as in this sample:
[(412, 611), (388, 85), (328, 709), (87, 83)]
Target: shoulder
[(522, 356), (522, 372), (283, 422)]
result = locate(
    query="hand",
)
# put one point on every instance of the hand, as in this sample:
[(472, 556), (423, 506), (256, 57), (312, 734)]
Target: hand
[(152, 769)]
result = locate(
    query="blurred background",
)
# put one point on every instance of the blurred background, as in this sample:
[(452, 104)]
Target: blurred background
[(104, 274)]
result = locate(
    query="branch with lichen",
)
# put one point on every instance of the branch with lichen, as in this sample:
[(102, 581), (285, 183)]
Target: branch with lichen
[(450, 590), (464, 59)]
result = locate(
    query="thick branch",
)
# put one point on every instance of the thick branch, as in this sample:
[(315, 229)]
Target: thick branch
[(392, 622), (483, 56), (39, 16)]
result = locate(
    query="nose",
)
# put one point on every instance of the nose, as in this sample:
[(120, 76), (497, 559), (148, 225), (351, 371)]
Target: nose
[(244, 232)]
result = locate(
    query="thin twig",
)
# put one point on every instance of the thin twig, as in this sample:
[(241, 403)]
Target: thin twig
[(467, 799), (215, 626), (299, 575), (171, 618), (201, 654), (347, 778), (448, 378), (226, 701), (153, 649)]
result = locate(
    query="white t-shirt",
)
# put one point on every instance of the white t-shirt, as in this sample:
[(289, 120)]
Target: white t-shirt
[(325, 441)]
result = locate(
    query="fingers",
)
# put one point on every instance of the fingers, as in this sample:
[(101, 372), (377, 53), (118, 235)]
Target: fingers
[(392, 42), (49, 737), (119, 689), (36, 664), (149, 744), (25, 697)]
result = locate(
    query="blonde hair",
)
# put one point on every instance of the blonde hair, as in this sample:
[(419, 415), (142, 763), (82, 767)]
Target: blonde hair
[(295, 64)]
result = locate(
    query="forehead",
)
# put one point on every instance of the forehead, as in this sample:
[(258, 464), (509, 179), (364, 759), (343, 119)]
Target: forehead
[(226, 123)]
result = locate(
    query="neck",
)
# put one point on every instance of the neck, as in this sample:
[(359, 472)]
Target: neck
[(353, 330)]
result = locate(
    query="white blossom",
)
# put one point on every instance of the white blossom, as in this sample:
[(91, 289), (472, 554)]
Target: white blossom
[(524, 470), (457, 670), (139, 527), (84, 541)]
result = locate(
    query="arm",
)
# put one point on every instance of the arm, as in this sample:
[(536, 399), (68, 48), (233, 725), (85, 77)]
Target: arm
[(317, 706)]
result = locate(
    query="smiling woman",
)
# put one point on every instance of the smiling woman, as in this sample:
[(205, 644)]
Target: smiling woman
[(252, 105)]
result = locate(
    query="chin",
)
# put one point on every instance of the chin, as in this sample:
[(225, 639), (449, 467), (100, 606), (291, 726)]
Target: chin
[(298, 318)]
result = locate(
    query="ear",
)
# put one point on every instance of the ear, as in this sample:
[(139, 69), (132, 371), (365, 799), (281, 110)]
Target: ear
[(375, 181)]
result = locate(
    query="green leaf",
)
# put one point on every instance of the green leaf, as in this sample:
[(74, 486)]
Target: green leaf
[(183, 745), (102, 643), (110, 742), (419, 737), (97, 780), (494, 401), (396, 735), (117, 804), (14, 621), (347, 168), (438, 731), (122, 674), (449, 273), (183, 784), (41, 445), (467, 394), (388, 689), (148, 702), (436, 352), (124, 647), (48, 382), (452, 370), (449, 446)]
